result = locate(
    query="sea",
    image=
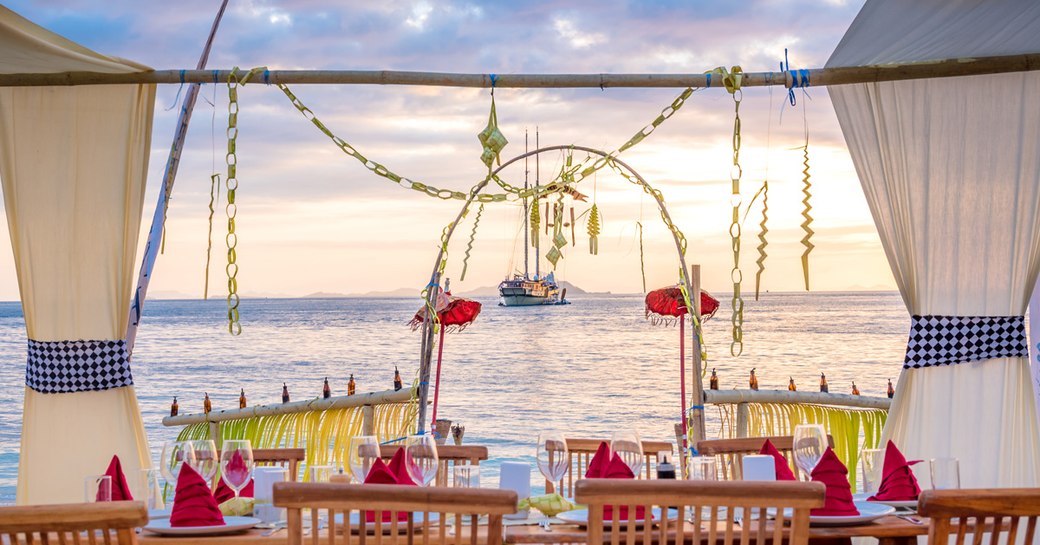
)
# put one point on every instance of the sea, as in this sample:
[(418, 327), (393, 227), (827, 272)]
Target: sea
[(587, 369)]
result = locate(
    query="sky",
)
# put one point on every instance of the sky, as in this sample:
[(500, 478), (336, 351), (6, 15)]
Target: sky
[(311, 219)]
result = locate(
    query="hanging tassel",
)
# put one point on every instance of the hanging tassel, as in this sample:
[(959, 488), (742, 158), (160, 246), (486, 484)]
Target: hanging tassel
[(536, 220), (761, 261), (214, 194), (593, 227), (472, 237), (805, 214), (642, 261)]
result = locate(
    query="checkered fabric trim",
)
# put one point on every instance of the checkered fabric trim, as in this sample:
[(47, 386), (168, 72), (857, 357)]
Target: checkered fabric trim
[(945, 340), (77, 366)]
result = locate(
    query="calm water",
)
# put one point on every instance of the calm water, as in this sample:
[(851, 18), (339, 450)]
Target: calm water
[(589, 368)]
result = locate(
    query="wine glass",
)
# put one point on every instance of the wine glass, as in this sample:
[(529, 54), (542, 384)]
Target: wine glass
[(362, 452), (236, 464), (207, 459), (421, 458), (627, 445), (174, 455), (945, 473), (552, 456), (810, 443), (702, 468)]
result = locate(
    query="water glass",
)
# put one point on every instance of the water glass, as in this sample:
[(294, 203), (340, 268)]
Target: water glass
[(97, 488), (702, 468), (810, 443), (945, 473), (207, 459), (421, 458), (362, 452), (320, 474), (629, 447), (551, 455), (174, 455), (236, 464), (148, 489), (467, 476), (871, 459)]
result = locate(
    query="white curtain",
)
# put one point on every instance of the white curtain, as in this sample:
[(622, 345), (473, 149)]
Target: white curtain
[(73, 162), (951, 171)]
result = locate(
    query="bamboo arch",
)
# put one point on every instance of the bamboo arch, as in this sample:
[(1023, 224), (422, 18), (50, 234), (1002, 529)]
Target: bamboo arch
[(694, 420)]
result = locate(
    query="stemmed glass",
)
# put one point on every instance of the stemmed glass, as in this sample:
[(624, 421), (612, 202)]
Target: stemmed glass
[(421, 458), (363, 451), (552, 456), (810, 443), (627, 445), (236, 464), (207, 459), (174, 455)]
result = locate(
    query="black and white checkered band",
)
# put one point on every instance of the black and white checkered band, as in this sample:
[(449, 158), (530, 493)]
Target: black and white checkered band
[(77, 366), (945, 340)]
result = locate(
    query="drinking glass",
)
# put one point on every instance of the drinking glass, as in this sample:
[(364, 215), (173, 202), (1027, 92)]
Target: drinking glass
[(207, 459), (362, 452), (320, 474), (702, 468), (97, 488), (552, 456), (945, 473), (174, 455), (810, 443), (627, 445), (236, 464), (871, 459), (148, 489), (421, 458), (466, 476)]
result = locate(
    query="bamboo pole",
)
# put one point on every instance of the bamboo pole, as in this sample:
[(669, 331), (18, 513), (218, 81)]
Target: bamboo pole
[(720, 397), (696, 416), (340, 402), (816, 77)]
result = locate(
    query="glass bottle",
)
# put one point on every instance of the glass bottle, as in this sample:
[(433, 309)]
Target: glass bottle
[(790, 385), (207, 406), (823, 383), (285, 393), (326, 391), (891, 390), (242, 399), (753, 381), (174, 408), (714, 382), (397, 379), (351, 385)]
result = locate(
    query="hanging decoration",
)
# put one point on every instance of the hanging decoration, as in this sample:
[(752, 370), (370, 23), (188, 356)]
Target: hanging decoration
[(214, 194), (762, 230), (491, 138), (536, 220), (472, 238), (806, 190), (594, 230)]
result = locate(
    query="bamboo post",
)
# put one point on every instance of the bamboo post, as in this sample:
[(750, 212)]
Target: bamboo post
[(742, 419), (368, 420), (696, 414), (214, 434), (733, 397)]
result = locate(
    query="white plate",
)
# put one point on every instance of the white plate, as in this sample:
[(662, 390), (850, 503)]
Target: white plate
[(738, 513), (159, 513), (355, 520), (903, 504), (868, 511), (581, 517), (232, 525)]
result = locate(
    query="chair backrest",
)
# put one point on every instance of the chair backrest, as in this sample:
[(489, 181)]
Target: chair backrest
[(1014, 510), (730, 510), (729, 453), (409, 510), (103, 522), (449, 456), (290, 457), (580, 452)]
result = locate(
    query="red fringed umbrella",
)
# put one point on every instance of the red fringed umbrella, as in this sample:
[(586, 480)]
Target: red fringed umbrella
[(455, 313), (664, 306)]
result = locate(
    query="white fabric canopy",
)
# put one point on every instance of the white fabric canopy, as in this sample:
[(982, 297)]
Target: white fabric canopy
[(951, 171), (73, 161)]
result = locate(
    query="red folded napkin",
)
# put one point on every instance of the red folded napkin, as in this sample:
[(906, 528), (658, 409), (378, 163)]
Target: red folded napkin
[(783, 471), (193, 504), (897, 481), (237, 469), (615, 469), (381, 474), (832, 473), (399, 468), (120, 490), (600, 461)]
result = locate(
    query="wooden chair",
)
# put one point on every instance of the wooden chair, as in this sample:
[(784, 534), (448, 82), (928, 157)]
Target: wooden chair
[(103, 522), (344, 507), (993, 511), (580, 452), (704, 500), (729, 453), (289, 457), (450, 456)]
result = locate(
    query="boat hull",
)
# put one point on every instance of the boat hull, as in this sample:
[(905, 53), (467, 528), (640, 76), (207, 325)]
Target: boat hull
[(528, 301)]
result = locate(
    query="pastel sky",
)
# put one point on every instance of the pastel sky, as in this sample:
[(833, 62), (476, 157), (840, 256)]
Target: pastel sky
[(312, 219)]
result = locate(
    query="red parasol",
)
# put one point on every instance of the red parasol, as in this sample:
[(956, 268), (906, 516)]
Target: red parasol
[(662, 307), (454, 313)]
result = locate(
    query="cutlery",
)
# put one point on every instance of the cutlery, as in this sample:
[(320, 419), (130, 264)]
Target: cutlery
[(911, 519)]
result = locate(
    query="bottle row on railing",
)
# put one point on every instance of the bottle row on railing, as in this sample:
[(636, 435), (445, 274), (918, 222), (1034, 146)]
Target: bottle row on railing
[(713, 383)]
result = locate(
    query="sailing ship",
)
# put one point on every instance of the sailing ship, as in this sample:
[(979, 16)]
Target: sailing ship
[(525, 290)]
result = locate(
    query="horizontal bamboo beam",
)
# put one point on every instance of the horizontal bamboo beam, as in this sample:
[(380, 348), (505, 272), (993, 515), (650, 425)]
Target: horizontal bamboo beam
[(815, 77), (320, 404), (720, 397)]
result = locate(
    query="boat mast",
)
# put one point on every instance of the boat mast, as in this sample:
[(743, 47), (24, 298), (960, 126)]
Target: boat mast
[(527, 217), (537, 178)]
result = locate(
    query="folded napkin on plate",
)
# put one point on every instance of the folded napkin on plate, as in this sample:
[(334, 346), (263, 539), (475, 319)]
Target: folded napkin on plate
[(897, 481), (120, 490), (600, 461), (381, 474), (783, 471), (399, 468), (238, 470), (193, 504), (616, 468), (549, 505), (832, 473)]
